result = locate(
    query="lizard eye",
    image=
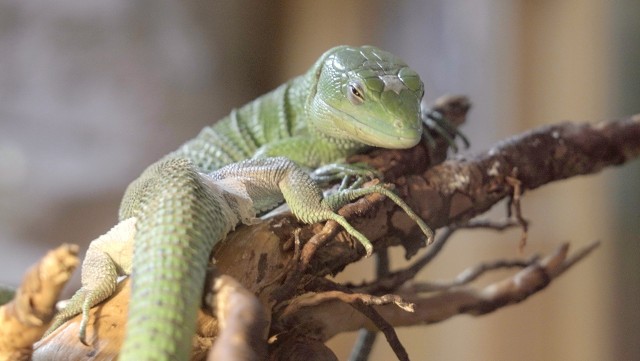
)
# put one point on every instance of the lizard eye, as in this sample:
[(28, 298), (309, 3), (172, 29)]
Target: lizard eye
[(355, 95)]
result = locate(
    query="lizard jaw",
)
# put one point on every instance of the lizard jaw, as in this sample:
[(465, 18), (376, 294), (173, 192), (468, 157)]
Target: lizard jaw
[(392, 136)]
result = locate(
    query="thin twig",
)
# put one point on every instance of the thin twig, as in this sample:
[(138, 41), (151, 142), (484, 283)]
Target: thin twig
[(329, 230), (346, 296), (501, 225), (471, 274), (386, 328), (366, 338), (516, 204), (335, 317), (396, 279), (362, 303), (576, 257)]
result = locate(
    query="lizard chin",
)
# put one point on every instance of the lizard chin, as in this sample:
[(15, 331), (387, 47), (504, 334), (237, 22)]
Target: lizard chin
[(398, 136), (389, 141)]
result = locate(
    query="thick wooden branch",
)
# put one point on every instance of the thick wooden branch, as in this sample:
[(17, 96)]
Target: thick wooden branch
[(263, 258), (24, 320), (464, 188), (457, 190), (243, 324)]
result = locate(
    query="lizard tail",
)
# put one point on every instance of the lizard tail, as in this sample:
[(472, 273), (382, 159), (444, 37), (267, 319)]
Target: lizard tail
[(180, 219)]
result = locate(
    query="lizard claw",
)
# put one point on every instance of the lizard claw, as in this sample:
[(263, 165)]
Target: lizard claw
[(337, 200), (345, 172), (436, 121), (80, 303)]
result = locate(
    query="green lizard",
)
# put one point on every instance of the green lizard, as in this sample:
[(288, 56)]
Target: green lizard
[(351, 99), (232, 194)]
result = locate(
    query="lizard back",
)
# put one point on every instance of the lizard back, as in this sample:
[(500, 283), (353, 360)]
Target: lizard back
[(273, 116)]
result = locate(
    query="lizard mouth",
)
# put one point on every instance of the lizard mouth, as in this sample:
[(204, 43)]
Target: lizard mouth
[(396, 135), (384, 140)]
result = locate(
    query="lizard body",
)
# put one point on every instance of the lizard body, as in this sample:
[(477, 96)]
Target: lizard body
[(316, 118), (351, 99)]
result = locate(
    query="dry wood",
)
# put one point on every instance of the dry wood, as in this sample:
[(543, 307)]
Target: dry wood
[(264, 260)]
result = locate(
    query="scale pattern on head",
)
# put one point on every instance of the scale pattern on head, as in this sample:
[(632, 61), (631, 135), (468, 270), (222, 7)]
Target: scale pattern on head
[(368, 95)]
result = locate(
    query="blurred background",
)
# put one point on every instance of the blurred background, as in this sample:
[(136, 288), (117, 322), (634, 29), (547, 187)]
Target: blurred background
[(93, 91)]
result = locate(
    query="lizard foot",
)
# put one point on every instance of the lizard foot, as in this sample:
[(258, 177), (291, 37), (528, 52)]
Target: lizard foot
[(436, 121), (344, 172), (337, 200)]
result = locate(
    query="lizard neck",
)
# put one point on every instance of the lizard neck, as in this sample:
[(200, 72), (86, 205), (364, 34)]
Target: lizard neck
[(323, 123), (316, 117), (296, 96)]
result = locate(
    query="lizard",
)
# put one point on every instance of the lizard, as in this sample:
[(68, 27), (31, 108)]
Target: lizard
[(351, 99), (236, 193)]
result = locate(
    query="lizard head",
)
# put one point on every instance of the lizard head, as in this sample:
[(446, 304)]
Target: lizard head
[(367, 95)]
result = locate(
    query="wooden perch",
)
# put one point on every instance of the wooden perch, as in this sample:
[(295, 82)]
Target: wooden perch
[(242, 320), (330, 316), (24, 320), (287, 276)]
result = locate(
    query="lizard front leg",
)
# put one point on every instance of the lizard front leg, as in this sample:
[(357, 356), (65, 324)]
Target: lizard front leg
[(298, 200), (326, 161), (267, 178)]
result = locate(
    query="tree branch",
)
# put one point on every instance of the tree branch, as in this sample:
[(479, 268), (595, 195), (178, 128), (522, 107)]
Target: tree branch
[(263, 257), (333, 317), (243, 323), (24, 320)]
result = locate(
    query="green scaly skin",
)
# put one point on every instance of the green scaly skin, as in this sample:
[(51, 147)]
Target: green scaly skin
[(350, 100)]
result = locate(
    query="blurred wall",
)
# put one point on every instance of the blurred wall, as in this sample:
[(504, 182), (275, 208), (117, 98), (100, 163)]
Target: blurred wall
[(625, 54), (91, 92)]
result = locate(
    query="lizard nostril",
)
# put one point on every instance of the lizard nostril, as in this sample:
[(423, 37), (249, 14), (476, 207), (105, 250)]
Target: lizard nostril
[(398, 124)]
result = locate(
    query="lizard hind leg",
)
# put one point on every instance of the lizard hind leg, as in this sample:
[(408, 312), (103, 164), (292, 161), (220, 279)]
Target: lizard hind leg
[(99, 280), (73, 307), (108, 257)]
